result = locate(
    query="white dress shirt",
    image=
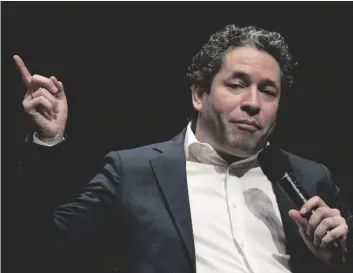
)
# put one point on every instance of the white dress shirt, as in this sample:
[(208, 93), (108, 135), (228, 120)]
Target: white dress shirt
[(235, 218)]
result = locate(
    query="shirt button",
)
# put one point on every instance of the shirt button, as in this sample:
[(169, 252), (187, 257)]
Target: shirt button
[(242, 244), (234, 205)]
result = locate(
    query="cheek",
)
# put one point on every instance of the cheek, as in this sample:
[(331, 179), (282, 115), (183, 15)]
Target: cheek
[(224, 103), (270, 115)]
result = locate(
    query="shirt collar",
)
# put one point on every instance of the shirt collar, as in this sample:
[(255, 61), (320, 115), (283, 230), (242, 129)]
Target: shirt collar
[(196, 151)]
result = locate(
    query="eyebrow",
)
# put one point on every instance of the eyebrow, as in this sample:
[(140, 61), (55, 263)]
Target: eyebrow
[(247, 79)]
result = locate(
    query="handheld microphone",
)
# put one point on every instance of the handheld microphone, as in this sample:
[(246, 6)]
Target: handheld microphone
[(277, 168)]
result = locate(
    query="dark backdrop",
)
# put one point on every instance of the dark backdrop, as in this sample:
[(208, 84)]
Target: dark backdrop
[(124, 68)]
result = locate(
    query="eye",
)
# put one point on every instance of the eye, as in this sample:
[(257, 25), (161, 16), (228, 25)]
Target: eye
[(269, 92), (236, 85)]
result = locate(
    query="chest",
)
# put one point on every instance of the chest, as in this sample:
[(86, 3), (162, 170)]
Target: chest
[(238, 217), (217, 195)]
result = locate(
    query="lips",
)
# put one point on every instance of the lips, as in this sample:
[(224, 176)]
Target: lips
[(248, 125)]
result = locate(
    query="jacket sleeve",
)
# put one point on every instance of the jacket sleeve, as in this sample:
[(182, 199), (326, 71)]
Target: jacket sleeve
[(55, 228), (93, 203)]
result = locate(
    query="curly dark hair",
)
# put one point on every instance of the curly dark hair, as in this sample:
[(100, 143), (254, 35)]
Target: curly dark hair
[(208, 61)]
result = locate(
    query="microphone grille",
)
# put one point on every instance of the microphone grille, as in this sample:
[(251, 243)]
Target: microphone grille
[(273, 163)]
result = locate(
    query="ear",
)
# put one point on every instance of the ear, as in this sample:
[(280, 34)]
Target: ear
[(197, 96)]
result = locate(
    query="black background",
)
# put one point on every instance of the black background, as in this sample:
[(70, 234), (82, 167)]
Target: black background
[(124, 68)]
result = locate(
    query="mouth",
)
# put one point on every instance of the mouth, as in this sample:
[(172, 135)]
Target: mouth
[(247, 125)]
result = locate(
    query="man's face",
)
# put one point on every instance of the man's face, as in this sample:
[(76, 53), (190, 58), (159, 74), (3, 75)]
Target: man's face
[(238, 114)]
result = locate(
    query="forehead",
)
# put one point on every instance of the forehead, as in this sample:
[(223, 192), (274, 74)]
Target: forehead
[(257, 64)]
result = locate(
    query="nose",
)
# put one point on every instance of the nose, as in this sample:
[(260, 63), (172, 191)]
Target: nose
[(251, 103)]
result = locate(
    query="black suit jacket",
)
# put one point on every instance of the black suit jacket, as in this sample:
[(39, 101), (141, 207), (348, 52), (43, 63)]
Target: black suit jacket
[(141, 196)]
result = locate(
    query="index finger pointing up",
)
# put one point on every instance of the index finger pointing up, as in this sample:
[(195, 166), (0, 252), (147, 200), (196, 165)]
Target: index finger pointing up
[(26, 76)]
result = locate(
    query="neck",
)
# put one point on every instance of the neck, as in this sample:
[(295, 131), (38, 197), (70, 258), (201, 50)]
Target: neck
[(201, 136), (229, 158)]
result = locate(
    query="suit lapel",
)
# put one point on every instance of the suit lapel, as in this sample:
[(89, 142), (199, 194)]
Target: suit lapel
[(170, 171)]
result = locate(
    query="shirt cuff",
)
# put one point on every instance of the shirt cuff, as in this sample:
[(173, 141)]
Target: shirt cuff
[(56, 140)]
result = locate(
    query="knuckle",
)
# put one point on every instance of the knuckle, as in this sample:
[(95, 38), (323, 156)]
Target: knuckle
[(311, 203), (342, 221), (24, 104), (334, 234), (47, 82), (327, 222), (41, 99), (336, 211), (345, 228), (44, 91), (35, 78), (39, 91), (321, 210)]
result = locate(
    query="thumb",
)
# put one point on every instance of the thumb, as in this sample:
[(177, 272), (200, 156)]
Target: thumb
[(296, 216)]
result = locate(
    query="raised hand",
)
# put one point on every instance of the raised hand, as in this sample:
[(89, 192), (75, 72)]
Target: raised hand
[(45, 103)]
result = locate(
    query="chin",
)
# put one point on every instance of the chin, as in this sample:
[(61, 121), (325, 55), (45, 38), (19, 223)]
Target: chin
[(242, 153), (242, 148)]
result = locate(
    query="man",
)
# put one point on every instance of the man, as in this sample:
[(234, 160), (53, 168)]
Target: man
[(200, 202)]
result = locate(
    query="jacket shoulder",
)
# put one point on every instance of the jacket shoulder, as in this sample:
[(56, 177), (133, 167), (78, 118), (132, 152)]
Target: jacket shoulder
[(141, 155), (302, 164)]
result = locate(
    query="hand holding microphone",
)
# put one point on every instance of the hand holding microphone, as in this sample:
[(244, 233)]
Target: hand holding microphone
[(322, 228), (324, 232)]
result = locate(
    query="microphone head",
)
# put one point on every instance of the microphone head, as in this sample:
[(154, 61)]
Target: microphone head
[(273, 163)]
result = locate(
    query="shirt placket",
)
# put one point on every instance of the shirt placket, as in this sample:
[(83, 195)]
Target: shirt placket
[(235, 203)]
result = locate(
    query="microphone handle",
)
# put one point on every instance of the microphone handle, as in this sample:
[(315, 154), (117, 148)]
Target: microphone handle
[(298, 196)]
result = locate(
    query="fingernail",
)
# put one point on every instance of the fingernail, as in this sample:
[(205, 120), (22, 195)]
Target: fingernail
[(303, 211)]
